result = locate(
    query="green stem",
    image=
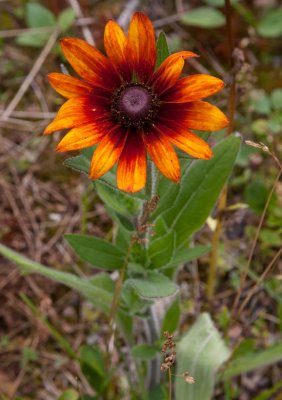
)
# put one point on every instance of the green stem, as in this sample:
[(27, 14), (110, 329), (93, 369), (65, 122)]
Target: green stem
[(151, 190), (118, 288), (141, 381)]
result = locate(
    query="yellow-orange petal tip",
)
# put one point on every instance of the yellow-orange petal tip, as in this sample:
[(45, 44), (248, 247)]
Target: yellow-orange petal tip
[(60, 149), (46, 131)]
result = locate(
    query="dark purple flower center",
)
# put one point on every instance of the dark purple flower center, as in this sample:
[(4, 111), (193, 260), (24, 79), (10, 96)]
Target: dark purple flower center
[(135, 102), (134, 105)]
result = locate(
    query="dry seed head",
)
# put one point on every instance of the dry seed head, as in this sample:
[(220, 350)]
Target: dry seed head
[(188, 379), (169, 343), (169, 350)]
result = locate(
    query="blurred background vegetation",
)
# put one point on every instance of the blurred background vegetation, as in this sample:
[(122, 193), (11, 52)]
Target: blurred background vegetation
[(40, 199)]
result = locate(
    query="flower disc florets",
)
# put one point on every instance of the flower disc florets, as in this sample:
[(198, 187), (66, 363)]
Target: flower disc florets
[(134, 105)]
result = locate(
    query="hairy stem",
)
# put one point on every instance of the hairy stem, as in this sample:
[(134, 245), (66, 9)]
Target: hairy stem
[(119, 283)]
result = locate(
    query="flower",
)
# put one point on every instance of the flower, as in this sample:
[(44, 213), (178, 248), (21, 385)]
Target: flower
[(130, 109)]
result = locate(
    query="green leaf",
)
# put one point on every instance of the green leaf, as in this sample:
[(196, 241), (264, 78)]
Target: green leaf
[(123, 238), (97, 295), (125, 325), (172, 317), (144, 352), (168, 193), (96, 251), (219, 3), (78, 163), (270, 237), (38, 16), (92, 356), (187, 255), (201, 352), (87, 397), (276, 99), (161, 251), (189, 204), (261, 103), (28, 354), (252, 361), (104, 281), (29, 39), (204, 17), (268, 393), (132, 302), (162, 49), (255, 195), (158, 392), (270, 25), (69, 394), (93, 367), (121, 202), (66, 19), (154, 286)]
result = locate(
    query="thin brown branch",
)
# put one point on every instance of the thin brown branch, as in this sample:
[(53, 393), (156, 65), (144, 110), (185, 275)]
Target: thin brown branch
[(252, 291), (85, 29), (32, 114), (247, 267), (125, 15), (31, 75), (10, 33)]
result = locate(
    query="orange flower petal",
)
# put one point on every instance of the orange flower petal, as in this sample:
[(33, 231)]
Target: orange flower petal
[(163, 154), (168, 72), (115, 44), (194, 87), (186, 141), (69, 86), (84, 136), (108, 152), (195, 115), (75, 112), (90, 63), (132, 165), (142, 46)]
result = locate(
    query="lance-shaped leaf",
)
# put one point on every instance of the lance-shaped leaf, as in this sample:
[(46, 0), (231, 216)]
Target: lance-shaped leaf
[(194, 199), (153, 286), (97, 252), (162, 49), (252, 360), (200, 353), (92, 289)]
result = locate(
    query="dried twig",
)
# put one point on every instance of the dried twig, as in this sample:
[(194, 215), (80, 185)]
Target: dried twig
[(159, 23), (247, 267), (31, 75), (125, 15), (31, 115), (252, 291), (10, 33), (85, 30)]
